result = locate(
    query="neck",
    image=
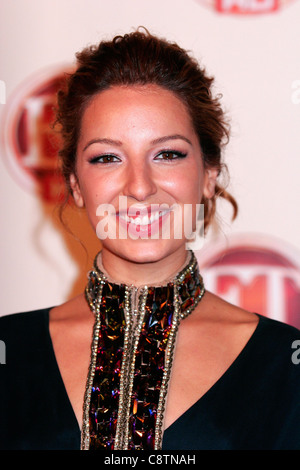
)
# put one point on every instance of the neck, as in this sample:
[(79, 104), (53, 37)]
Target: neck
[(122, 270)]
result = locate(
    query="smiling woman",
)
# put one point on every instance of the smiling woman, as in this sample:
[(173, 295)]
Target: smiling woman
[(140, 60), (139, 149), (146, 358)]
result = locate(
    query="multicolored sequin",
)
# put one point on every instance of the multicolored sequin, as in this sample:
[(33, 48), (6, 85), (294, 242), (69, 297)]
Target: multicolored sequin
[(132, 352)]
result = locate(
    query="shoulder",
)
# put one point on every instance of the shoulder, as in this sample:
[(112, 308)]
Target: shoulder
[(219, 311), (71, 321), (72, 311), (15, 326), (19, 318), (267, 339), (222, 318), (23, 316), (277, 340), (26, 340), (277, 329)]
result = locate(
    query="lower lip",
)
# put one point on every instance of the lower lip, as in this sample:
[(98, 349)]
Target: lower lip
[(144, 231)]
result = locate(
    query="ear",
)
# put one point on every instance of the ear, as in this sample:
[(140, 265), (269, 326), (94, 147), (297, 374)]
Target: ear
[(210, 178), (76, 191)]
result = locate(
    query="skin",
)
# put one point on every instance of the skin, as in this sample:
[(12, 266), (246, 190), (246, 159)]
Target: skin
[(133, 118), (127, 122)]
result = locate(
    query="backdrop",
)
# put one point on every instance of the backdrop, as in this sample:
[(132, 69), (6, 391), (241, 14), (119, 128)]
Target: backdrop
[(252, 48)]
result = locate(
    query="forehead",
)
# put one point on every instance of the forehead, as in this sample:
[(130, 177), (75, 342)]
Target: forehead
[(134, 93), (136, 107)]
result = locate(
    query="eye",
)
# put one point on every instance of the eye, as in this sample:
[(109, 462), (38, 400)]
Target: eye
[(104, 159), (168, 155)]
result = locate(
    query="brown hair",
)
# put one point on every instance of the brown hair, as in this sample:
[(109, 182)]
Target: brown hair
[(140, 58)]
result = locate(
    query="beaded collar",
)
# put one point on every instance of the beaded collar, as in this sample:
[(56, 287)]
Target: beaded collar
[(131, 357)]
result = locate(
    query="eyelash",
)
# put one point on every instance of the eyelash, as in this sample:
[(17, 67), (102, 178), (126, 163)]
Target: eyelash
[(97, 159), (178, 155)]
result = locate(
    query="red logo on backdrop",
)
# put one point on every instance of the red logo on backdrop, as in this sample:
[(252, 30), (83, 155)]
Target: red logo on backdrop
[(258, 273), (246, 7), (29, 142)]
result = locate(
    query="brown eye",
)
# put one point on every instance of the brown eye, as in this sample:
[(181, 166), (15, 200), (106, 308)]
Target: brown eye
[(170, 155), (107, 159), (104, 159)]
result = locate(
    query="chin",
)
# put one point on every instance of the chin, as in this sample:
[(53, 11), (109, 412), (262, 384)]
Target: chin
[(145, 251)]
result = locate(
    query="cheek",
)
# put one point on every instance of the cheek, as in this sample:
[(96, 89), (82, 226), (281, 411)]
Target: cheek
[(196, 181), (187, 185), (91, 205), (98, 192), (95, 189), (92, 198)]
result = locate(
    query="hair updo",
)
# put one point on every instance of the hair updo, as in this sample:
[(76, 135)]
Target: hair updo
[(140, 58)]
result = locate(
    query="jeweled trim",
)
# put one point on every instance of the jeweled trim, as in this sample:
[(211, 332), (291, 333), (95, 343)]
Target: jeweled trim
[(128, 366), (186, 296), (85, 433), (167, 372)]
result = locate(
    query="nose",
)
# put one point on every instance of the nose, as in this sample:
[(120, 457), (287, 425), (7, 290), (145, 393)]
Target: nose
[(139, 183)]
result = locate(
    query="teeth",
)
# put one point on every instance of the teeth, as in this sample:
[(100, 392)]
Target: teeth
[(146, 220)]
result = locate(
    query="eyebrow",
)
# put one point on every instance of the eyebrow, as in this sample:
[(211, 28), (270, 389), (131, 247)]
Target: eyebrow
[(160, 140), (102, 141)]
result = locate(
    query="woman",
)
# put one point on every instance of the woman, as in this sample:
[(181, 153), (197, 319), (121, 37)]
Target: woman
[(146, 358)]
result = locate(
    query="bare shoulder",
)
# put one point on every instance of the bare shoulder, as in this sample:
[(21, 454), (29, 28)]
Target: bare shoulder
[(71, 319), (76, 309), (215, 310), (221, 323)]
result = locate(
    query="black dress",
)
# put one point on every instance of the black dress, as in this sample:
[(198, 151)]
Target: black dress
[(254, 405)]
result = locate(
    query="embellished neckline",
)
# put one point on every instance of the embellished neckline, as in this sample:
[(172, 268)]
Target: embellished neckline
[(132, 352), (186, 280)]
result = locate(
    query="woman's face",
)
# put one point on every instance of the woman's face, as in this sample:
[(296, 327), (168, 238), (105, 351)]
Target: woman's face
[(139, 169)]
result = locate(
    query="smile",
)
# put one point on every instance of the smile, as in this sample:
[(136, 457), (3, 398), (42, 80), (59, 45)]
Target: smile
[(144, 220)]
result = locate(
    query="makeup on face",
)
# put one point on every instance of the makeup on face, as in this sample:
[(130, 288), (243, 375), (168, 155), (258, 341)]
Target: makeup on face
[(138, 143)]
